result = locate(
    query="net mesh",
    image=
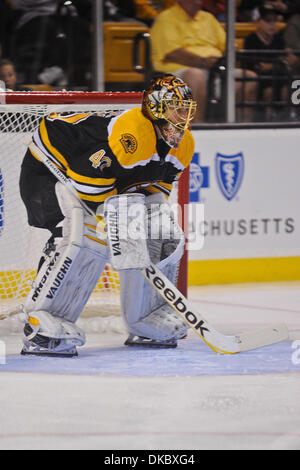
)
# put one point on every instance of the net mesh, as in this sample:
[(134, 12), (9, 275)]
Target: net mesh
[(20, 244)]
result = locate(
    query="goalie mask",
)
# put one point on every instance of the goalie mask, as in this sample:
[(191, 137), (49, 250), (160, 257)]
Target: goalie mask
[(168, 103)]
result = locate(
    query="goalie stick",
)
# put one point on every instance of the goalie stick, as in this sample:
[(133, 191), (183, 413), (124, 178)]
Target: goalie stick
[(120, 260), (217, 341)]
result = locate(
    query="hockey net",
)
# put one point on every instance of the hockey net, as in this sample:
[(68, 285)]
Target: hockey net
[(21, 245)]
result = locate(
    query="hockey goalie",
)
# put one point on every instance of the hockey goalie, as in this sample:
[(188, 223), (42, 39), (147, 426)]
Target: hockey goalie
[(141, 150)]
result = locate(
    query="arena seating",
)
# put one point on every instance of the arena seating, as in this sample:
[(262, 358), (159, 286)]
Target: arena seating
[(118, 49)]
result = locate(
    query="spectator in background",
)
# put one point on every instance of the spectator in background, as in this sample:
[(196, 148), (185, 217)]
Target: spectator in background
[(188, 42), (135, 10), (216, 7), (7, 20), (9, 76), (265, 39), (147, 10), (248, 9), (46, 38), (291, 35), (116, 10)]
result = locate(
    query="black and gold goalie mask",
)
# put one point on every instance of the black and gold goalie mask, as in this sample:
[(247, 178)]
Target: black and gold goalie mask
[(168, 102)]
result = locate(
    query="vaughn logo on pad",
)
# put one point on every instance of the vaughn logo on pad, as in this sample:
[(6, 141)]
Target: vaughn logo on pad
[(114, 233)]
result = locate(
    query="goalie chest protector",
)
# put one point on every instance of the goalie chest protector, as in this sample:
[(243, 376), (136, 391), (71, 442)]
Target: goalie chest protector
[(109, 156)]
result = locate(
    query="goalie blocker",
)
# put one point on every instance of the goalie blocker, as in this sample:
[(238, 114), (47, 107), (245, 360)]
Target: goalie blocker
[(148, 317)]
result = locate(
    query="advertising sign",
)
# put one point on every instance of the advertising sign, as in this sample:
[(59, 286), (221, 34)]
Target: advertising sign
[(248, 182)]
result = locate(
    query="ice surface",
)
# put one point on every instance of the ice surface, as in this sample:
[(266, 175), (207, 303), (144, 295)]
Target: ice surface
[(115, 397), (191, 358)]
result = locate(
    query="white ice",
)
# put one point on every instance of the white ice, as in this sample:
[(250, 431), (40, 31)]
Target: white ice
[(112, 397)]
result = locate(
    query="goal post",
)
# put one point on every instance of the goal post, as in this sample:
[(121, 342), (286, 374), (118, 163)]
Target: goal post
[(20, 244)]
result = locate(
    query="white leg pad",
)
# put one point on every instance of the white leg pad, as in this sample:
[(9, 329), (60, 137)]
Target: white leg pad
[(66, 281), (44, 324), (144, 311), (163, 324)]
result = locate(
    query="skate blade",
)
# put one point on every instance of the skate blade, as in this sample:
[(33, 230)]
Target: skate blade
[(138, 341), (49, 354)]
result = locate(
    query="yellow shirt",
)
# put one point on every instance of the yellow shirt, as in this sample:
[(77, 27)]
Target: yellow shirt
[(174, 28)]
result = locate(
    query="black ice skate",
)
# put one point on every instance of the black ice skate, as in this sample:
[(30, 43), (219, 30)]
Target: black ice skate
[(134, 340), (44, 346)]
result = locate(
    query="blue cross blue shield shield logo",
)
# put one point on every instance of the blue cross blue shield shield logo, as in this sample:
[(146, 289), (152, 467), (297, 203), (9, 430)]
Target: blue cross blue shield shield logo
[(1, 202), (229, 172)]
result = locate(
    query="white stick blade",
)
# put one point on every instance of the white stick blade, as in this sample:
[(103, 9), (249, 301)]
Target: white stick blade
[(264, 337)]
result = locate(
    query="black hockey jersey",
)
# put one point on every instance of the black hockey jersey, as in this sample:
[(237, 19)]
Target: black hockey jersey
[(105, 156)]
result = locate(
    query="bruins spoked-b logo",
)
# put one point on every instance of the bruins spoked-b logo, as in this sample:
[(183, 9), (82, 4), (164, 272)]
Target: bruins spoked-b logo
[(229, 173), (129, 143)]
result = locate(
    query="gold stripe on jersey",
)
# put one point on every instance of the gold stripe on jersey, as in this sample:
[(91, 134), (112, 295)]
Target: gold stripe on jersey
[(137, 186), (92, 190), (53, 161), (151, 187), (88, 180), (73, 118), (166, 187), (40, 144), (97, 198), (159, 188), (132, 138), (45, 140), (152, 190)]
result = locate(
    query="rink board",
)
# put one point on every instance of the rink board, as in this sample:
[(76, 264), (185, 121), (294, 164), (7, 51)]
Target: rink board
[(248, 183), (228, 271)]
